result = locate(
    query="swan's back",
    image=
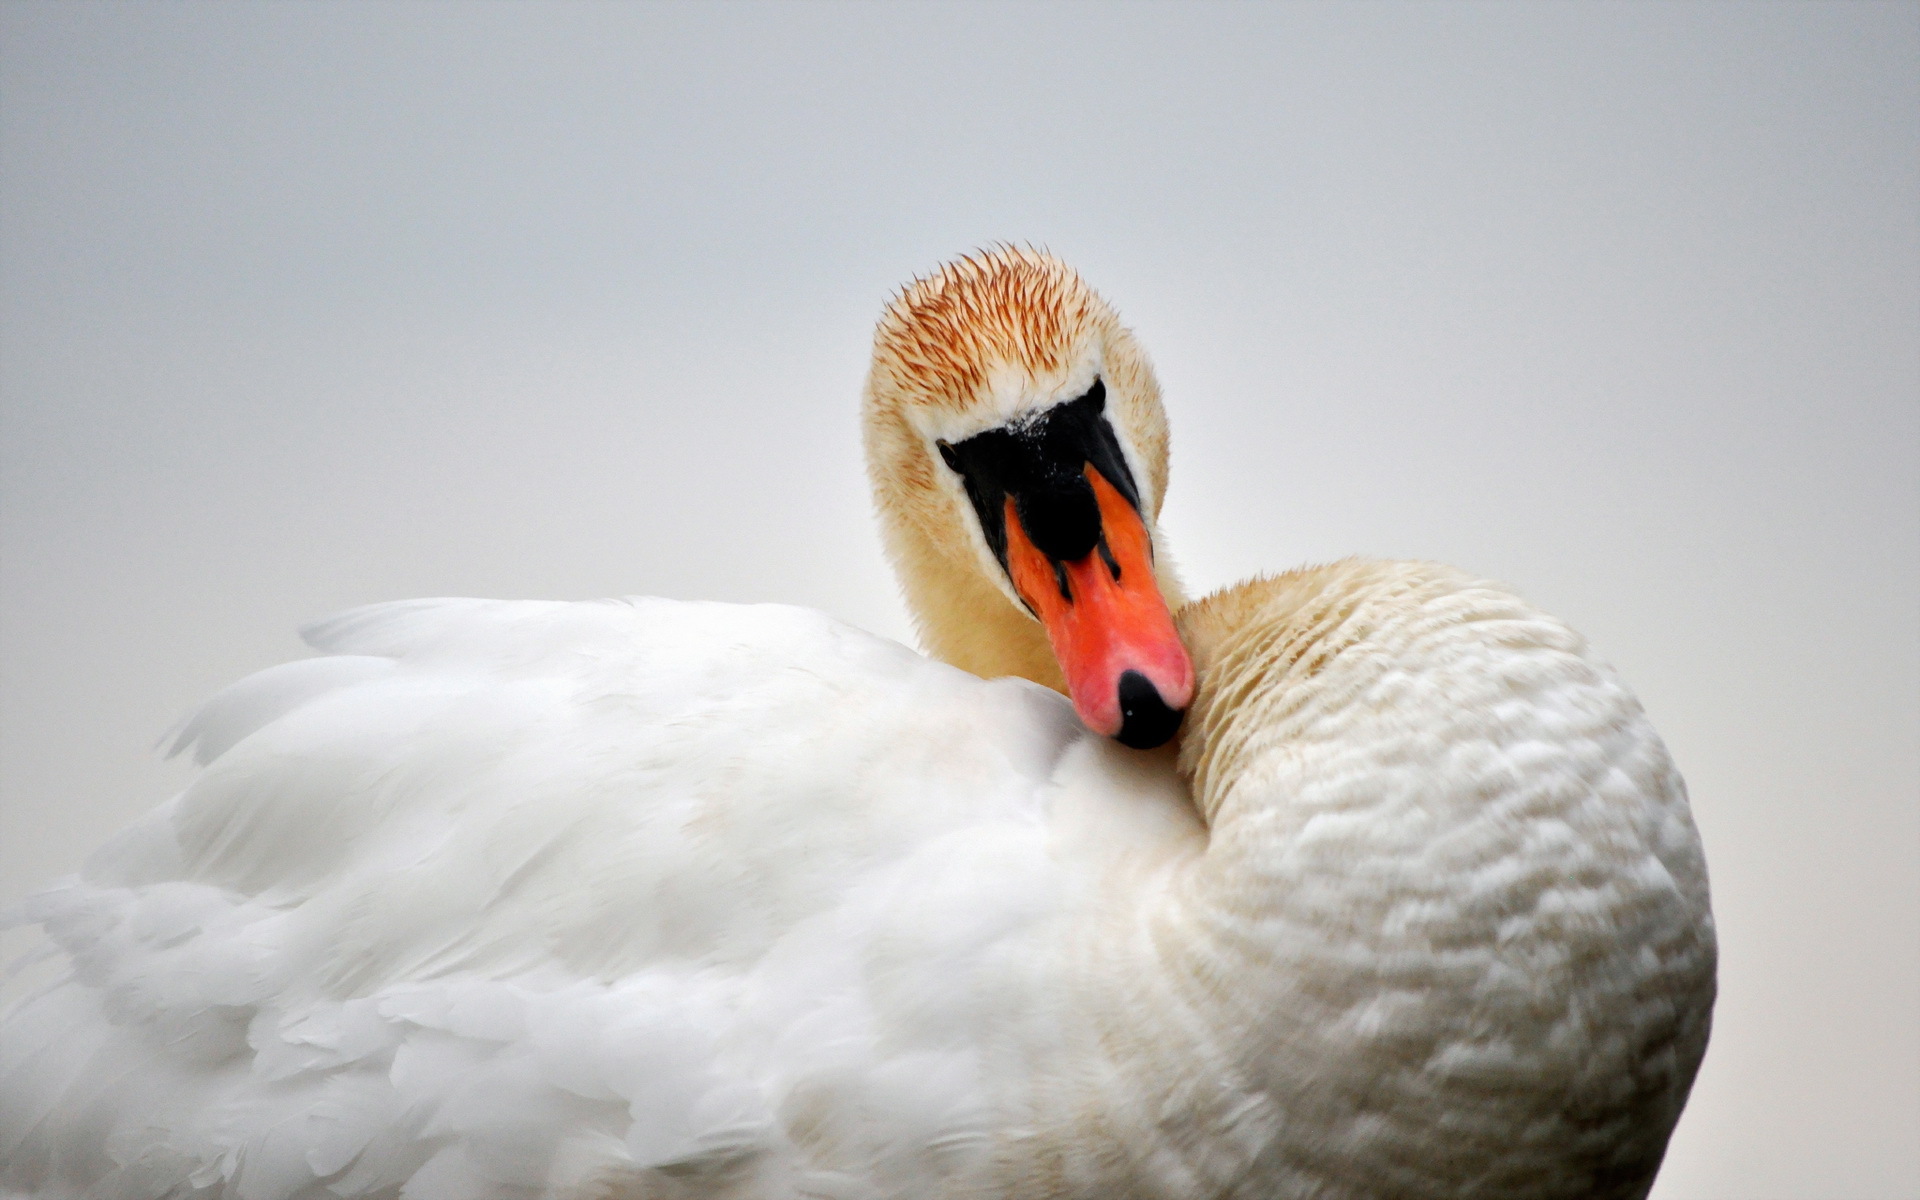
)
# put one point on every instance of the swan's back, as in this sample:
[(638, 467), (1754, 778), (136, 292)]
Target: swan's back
[(500, 899)]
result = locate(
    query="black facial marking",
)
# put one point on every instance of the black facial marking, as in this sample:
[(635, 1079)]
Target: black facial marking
[(1041, 463)]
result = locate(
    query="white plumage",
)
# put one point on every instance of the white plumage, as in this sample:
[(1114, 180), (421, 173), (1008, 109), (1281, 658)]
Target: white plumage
[(655, 899), (501, 894)]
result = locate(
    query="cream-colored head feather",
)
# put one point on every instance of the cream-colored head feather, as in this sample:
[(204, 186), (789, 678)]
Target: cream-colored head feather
[(982, 342)]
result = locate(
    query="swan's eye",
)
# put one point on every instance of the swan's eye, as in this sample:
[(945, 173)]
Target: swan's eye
[(951, 457)]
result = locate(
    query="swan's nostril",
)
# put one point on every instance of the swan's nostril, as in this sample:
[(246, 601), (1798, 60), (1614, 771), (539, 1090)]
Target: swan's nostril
[(1145, 719)]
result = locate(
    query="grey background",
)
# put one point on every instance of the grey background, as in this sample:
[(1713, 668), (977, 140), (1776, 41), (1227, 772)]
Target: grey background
[(311, 305)]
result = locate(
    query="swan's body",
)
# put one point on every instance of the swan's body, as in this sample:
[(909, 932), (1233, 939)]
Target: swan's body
[(656, 900)]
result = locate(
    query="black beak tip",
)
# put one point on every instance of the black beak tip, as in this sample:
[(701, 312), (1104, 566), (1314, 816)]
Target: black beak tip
[(1145, 719)]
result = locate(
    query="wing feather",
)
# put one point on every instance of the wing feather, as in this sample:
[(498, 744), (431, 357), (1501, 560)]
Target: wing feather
[(519, 899)]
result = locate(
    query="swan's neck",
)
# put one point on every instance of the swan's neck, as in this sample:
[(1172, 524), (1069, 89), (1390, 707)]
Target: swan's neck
[(1352, 749), (1411, 902)]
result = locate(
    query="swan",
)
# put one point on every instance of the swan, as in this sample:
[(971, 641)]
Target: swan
[(641, 898)]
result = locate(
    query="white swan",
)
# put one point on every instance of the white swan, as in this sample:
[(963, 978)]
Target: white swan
[(653, 899)]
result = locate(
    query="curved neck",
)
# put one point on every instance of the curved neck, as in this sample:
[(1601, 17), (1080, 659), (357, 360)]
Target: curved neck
[(1429, 825)]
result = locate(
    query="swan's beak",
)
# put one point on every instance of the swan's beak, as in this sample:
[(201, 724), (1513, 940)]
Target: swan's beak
[(1127, 672), (1060, 511)]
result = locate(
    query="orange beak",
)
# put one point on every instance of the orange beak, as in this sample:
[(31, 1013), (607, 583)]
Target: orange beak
[(1127, 673)]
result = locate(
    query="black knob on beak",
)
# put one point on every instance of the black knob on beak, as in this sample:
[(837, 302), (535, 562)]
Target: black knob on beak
[(1145, 719)]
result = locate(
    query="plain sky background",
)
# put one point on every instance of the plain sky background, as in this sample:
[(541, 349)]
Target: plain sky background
[(311, 305)]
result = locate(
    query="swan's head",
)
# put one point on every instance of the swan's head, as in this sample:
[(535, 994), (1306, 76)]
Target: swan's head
[(1018, 452)]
